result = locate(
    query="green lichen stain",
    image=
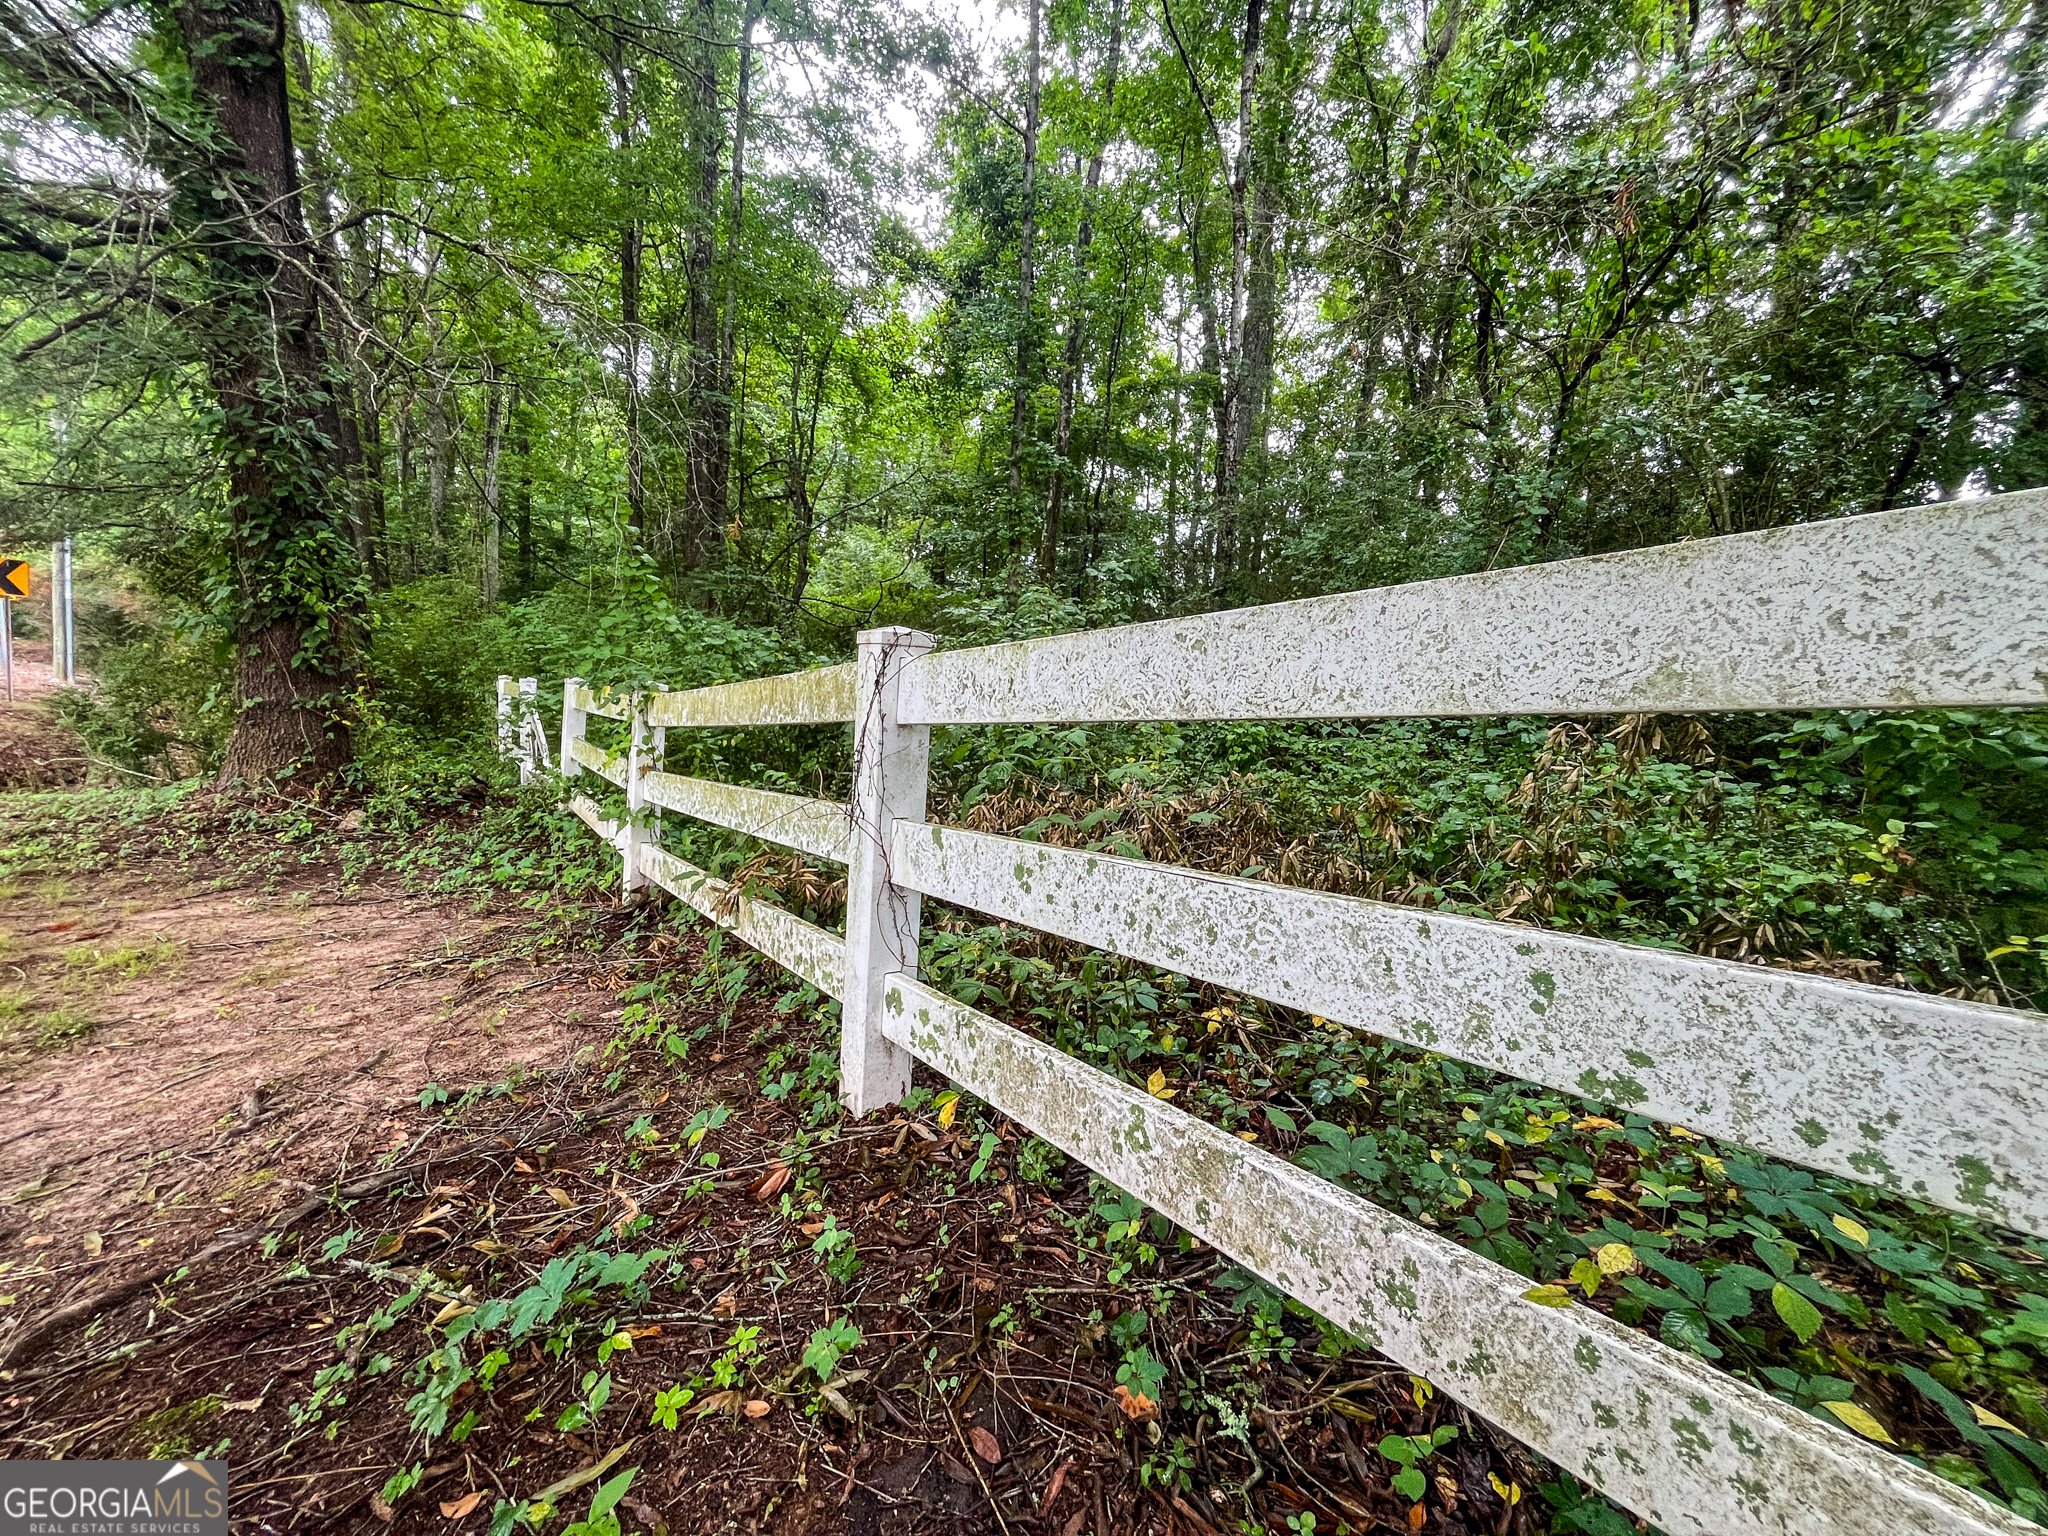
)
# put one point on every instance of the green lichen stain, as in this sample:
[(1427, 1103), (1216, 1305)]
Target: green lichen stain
[(1525, 949), (1973, 1183), (1022, 874), (1587, 1353), (1693, 1443), (1745, 1440), (1546, 989), (1402, 1296), (1616, 1090), (1628, 1458), (1605, 1416), (1755, 1491), (1134, 1137), (1202, 1212), (1640, 1058), (1875, 1166), (1811, 1131), (1479, 1363), (1422, 929), (938, 838), (1871, 1132)]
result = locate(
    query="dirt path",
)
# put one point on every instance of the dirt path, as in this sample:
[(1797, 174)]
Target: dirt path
[(230, 1226), (192, 1057), (37, 750)]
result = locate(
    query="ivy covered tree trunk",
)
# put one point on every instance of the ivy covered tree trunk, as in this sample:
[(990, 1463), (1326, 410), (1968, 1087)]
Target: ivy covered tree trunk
[(296, 589)]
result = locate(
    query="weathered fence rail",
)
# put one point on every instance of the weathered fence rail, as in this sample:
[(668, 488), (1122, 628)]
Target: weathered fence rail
[(1942, 606)]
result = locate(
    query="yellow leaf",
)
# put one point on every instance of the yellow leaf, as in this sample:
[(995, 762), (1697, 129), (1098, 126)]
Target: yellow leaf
[(1548, 1295), (1855, 1231), (949, 1106), (1601, 1194), (1156, 1084), (1247, 1135), (1859, 1419), (1616, 1258), (1510, 1493), (1596, 1123), (1683, 1134), (1468, 1114), (1986, 1416), (1713, 1163), (1586, 1275), (1361, 1082), (1495, 1138), (1421, 1391)]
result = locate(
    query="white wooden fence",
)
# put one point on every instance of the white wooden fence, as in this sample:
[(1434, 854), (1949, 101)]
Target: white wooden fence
[(1932, 607)]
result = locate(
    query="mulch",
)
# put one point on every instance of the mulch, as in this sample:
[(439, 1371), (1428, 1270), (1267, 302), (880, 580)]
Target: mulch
[(983, 1396)]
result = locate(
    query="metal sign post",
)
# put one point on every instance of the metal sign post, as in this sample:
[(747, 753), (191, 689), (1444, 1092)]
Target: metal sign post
[(13, 584)]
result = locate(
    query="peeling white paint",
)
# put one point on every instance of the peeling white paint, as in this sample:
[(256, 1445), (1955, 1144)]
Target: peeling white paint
[(1683, 1445), (795, 945), (818, 827), (1929, 607), (817, 697), (890, 765), (1941, 1099)]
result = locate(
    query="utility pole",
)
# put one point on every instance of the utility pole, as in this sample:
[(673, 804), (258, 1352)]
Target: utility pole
[(63, 628)]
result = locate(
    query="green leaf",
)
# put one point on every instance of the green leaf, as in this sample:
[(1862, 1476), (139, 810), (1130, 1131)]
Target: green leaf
[(1411, 1484), (609, 1493), (1800, 1315)]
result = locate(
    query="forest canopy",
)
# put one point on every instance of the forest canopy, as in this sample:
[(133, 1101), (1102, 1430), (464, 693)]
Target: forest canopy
[(813, 315)]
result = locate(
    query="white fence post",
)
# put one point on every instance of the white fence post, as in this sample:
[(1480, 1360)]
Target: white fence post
[(635, 881), (505, 736), (889, 766), (532, 740), (574, 723)]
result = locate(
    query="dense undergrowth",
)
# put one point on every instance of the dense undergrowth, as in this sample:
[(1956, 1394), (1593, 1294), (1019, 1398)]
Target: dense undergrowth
[(1908, 849)]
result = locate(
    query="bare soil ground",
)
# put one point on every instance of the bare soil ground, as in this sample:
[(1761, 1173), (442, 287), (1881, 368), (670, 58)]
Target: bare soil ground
[(219, 1184), (37, 751)]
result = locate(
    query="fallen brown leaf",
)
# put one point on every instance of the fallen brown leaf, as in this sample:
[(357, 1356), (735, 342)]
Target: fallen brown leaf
[(719, 1402), (727, 1305), (756, 1409), (459, 1509), (770, 1184), (1059, 1481), (986, 1446)]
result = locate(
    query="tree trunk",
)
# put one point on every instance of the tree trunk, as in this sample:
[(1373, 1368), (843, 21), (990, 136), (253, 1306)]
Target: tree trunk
[(298, 592), (522, 449), (631, 238), (494, 440), (1070, 369), (1020, 397), (728, 325), (440, 447), (710, 408)]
